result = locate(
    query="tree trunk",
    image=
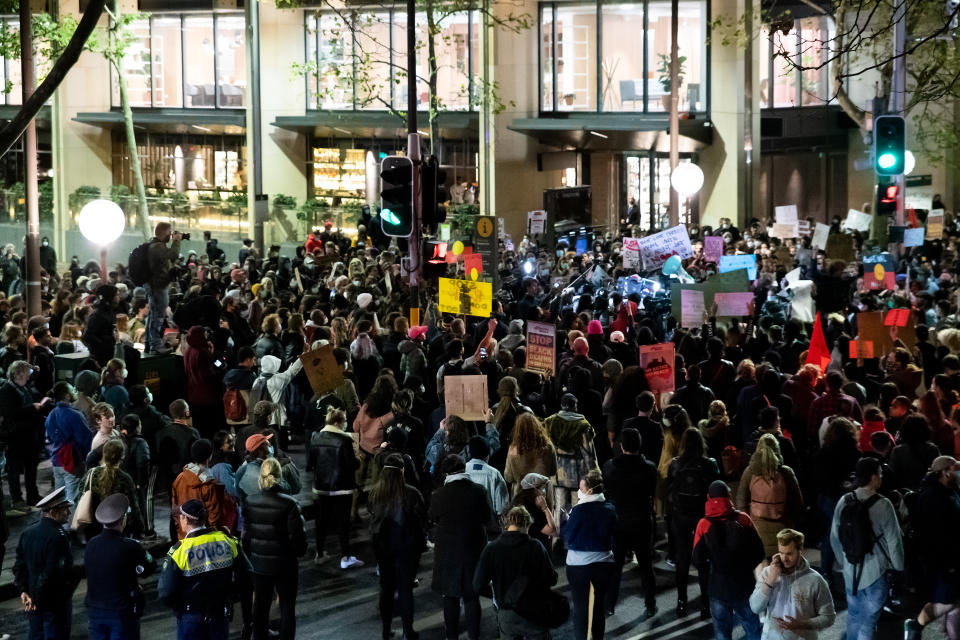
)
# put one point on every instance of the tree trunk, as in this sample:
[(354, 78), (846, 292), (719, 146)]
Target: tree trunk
[(432, 84), (71, 53), (134, 155)]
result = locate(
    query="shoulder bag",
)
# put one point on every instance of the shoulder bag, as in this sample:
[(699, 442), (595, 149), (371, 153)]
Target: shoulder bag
[(83, 514)]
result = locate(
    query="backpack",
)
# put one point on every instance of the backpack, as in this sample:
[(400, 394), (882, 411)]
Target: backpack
[(729, 543), (768, 499), (234, 406), (689, 494), (260, 391), (855, 531), (138, 265)]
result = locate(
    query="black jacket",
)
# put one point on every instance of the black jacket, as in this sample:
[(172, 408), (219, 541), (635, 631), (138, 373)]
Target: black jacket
[(696, 399), (42, 360), (935, 517), (513, 554), (727, 544), (403, 533), (240, 378), (112, 562), (332, 461), (275, 533), (688, 480), (268, 346), (630, 482), (460, 510), (99, 336), (20, 419), (44, 566), (651, 436)]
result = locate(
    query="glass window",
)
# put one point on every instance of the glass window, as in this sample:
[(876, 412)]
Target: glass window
[(13, 75), (475, 61), (313, 97), (763, 73), (622, 69), (335, 63), (167, 58), (198, 56), (401, 84), (784, 73), (453, 62), (576, 57), (546, 58), (137, 66), (231, 61), (372, 50), (815, 33), (691, 49)]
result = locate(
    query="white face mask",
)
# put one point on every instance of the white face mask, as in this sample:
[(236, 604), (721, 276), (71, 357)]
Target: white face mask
[(581, 496), (124, 373)]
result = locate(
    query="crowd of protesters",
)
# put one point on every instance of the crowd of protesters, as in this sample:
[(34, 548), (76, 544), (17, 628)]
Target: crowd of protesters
[(755, 457)]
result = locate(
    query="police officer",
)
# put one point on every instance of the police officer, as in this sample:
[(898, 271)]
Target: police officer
[(113, 562), (201, 576), (44, 570)]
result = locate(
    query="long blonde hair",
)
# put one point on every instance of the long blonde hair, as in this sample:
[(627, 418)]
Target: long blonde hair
[(766, 460), (269, 473)]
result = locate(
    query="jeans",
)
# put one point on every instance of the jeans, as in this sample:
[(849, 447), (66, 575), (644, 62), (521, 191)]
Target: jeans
[(451, 616), (863, 610), (826, 505), (513, 626), (159, 300), (199, 626), (600, 576), (53, 624), (110, 625), (726, 614), (638, 541), (285, 585), (397, 574), (333, 513), (63, 478)]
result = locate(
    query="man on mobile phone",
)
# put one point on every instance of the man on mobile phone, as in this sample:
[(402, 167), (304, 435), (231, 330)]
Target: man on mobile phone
[(793, 600)]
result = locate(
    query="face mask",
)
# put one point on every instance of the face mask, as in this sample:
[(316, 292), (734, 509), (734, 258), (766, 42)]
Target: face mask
[(45, 243), (149, 397), (270, 451), (581, 496), (124, 373)]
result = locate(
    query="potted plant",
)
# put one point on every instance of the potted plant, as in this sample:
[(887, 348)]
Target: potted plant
[(310, 210), (81, 196), (664, 78)]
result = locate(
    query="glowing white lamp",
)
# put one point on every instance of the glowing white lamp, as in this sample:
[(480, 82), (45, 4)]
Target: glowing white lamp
[(101, 222), (687, 179), (909, 162)]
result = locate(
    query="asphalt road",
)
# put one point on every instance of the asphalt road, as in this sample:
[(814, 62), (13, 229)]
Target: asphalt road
[(333, 603)]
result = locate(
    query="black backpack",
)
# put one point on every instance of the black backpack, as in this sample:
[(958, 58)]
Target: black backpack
[(138, 265), (689, 490), (855, 531)]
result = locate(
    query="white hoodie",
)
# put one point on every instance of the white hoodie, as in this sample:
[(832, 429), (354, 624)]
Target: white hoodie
[(276, 384), (803, 595)]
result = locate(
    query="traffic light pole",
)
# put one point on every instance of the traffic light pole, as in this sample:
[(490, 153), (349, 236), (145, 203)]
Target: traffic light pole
[(898, 88), (413, 152)]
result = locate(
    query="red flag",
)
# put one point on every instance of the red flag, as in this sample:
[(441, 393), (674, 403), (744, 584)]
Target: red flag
[(818, 354)]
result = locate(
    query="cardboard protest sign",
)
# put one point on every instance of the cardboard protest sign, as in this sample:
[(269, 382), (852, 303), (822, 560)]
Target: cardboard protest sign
[(792, 276), (870, 326), (466, 396), (820, 235), (878, 272), (786, 223), (861, 349), (913, 237), (803, 227), (784, 231), (783, 257), (732, 263), (840, 247), (935, 225), (712, 248), (691, 308), (657, 248), (466, 297), (896, 318), (801, 301), (785, 214), (322, 369), (729, 282), (657, 362), (857, 221), (733, 304), (536, 222), (631, 253), (542, 347)]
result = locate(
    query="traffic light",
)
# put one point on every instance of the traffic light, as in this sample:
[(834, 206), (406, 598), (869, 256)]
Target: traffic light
[(434, 193), (889, 140), (396, 196), (887, 192)]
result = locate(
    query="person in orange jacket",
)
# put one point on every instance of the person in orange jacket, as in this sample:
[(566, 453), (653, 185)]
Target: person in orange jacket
[(195, 482)]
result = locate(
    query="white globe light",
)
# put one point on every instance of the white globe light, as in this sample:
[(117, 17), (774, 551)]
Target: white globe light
[(687, 179), (101, 221), (909, 162)]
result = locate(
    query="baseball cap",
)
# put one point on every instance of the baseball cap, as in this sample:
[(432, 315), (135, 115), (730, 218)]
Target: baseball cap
[(255, 441)]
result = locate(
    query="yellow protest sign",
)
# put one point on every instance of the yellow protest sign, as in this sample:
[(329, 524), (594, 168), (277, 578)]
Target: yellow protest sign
[(466, 296)]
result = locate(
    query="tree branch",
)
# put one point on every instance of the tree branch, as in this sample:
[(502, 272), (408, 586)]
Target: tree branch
[(12, 131)]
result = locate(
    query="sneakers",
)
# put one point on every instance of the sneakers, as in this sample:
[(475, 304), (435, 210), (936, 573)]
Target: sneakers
[(350, 561), (912, 630), (321, 558)]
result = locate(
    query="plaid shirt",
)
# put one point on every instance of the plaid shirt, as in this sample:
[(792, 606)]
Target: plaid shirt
[(832, 403)]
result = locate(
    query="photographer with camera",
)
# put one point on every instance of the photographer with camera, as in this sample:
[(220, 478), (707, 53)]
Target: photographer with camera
[(160, 260)]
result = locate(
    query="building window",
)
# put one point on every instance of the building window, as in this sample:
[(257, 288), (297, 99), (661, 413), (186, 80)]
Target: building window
[(10, 75), (156, 68), (202, 164), (781, 53), (358, 60), (575, 78)]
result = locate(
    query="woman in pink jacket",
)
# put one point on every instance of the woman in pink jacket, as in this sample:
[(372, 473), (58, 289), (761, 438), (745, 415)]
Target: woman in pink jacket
[(374, 415)]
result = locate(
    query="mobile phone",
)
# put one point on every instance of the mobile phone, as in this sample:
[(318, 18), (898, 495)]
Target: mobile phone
[(218, 363), (483, 352)]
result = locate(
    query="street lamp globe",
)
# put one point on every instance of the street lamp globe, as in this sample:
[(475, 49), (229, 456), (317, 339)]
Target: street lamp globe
[(101, 222), (909, 162), (687, 179)]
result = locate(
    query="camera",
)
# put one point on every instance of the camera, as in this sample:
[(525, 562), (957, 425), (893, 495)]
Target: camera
[(185, 236)]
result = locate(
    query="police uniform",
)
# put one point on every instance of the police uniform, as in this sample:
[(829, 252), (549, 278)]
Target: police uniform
[(200, 576), (113, 563), (44, 571)]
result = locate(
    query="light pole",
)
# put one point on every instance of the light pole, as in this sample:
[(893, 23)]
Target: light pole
[(102, 222)]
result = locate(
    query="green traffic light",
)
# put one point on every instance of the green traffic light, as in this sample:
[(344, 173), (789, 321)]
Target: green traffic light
[(390, 217), (886, 160)]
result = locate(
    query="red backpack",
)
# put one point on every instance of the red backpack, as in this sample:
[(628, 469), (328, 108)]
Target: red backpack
[(768, 498), (234, 406)]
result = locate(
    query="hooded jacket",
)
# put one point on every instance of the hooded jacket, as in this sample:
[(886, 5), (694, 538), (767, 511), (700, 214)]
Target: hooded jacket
[(630, 483), (195, 482), (803, 595), (203, 388), (332, 461), (512, 554), (276, 383), (412, 360), (727, 542)]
